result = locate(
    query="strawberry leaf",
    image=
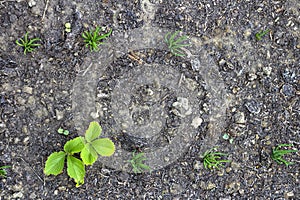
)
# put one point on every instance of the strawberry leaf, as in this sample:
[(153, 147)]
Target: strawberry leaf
[(93, 131), (74, 146), (55, 163), (88, 155), (104, 146), (76, 170)]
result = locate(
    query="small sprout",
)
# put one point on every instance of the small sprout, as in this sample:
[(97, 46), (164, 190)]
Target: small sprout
[(66, 132), (225, 136), (175, 45), (260, 34), (278, 153), (211, 159), (62, 131), (68, 27), (28, 45), (3, 172), (137, 163), (93, 39)]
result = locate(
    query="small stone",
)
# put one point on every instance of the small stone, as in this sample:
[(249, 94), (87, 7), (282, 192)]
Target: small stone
[(242, 192), (222, 62), (221, 172), (18, 187), (62, 188), (27, 89), (7, 87), (182, 107), (288, 195), (267, 70), (228, 169), (232, 187), (190, 84), (32, 196), (235, 90), (31, 100), (196, 122), (235, 166), (17, 140), (197, 165), (31, 3), (18, 195), (25, 129), (195, 64), (59, 114), (21, 101), (252, 76), (210, 186), (94, 115), (288, 90), (239, 118), (25, 141), (253, 106), (247, 33), (176, 188)]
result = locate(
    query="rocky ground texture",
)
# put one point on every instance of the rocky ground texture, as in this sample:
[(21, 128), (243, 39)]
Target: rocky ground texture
[(261, 80)]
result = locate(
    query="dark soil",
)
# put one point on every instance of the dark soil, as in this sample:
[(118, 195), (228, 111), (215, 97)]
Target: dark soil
[(242, 87)]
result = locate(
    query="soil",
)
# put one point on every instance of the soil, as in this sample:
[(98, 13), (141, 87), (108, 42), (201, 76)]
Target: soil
[(147, 100)]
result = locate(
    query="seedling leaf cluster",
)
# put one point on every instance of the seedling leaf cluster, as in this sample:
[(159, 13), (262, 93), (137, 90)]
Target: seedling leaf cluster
[(175, 44), (260, 34), (88, 147), (212, 159), (63, 131), (137, 163), (93, 39), (3, 172), (27, 44), (278, 153)]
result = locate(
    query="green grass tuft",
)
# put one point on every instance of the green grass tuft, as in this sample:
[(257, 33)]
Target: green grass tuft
[(175, 45), (27, 44), (93, 39), (278, 153)]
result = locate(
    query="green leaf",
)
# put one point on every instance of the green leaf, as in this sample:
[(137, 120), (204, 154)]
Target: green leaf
[(74, 146), (66, 132), (88, 155), (93, 131), (60, 130), (104, 146), (5, 167), (225, 136), (55, 163), (76, 170), (146, 167)]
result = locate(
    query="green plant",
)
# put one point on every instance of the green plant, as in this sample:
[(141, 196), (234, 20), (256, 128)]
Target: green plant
[(28, 45), (211, 159), (68, 27), (93, 39), (228, 137), (137, 163), (88, 147), (175, 44), (260, 34), (278, 153), (63, 131), (3, 172)]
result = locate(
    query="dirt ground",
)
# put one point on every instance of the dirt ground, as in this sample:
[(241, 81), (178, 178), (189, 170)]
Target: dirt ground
[(146, 99)]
